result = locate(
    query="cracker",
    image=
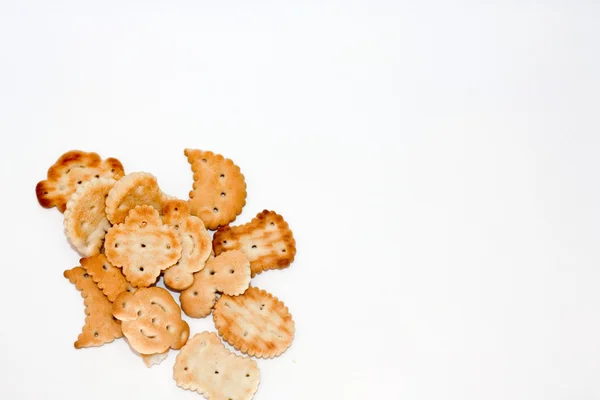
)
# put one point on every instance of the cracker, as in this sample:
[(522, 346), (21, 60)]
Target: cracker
[(154, 359), (195, 242), (228, 273), (206, 366), (267, 241), (100, 327), (255, 323), (219, 191), (70, 171), (142, 246), (151, 320), (135, 189), (109, 278), (85, 220)]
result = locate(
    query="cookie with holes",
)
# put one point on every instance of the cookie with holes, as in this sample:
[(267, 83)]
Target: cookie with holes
[(219, 190), (195, 242), (135, 189), (228, 273), (255, 323), (151, 320), (69, 172), (142, 246), (267, 241), (207, 367), (100, 327), (109, 278), (85, 220)]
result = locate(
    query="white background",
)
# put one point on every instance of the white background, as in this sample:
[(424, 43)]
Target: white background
[(437, 161)]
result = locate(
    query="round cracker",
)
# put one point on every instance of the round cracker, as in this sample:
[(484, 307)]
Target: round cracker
[(135, 189), (85, 220), (255, 323)]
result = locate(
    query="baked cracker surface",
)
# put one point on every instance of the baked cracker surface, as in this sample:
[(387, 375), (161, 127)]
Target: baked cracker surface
[(255, 323), (206, 366)]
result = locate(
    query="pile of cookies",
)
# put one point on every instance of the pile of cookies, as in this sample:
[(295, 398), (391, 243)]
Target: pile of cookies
[(130, 233)]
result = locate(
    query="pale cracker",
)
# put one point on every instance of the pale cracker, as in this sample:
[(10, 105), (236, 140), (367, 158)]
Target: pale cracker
[(70, 171), (267, 241), (255, 323), (195, 242), (100, 327), (85, 220), (206, 366), (142, 246), (228, 273), (151, 320), (219, 190), (135, 189)]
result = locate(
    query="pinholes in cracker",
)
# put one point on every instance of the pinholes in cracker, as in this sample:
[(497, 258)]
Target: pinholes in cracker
[(255, 323), (219, 190), (267, 241), (206, 366), (228, 273), (142, 246), (195, 242), (100, 327), (85, 220), (69, 172), (151, 320), (135, 189)]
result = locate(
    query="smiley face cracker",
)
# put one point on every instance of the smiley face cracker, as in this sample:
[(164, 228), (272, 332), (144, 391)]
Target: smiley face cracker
[(135, 189), (206, 366), (100, 327), (70, 171), (267, 241), (195, 242), (151, 320), (228, 273), (109, 278), (219, 190), (142, 246), (255, 323), (85, 220)]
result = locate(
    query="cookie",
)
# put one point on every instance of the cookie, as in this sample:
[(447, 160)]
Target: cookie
[(135, 189), (85, 220), (267, 241), (70, 171), (142, 246), (255, 323), (195, 242), (100, 327), (219, 191), (151, 320), (228, 273), (109, 278), (206, 366)]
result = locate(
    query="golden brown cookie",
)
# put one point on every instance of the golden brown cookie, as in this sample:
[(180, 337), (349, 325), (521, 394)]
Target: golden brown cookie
[(151, 320), (219, 191), (267, 241), (206, 366), (195, 242), (255, 323), (85, 220), (70, 171), (135, 189), (100, 327), (228, 273), (142, 246), (109, 278)]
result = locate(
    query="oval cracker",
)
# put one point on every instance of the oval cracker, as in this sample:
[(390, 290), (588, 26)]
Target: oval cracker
[(255, 323)]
